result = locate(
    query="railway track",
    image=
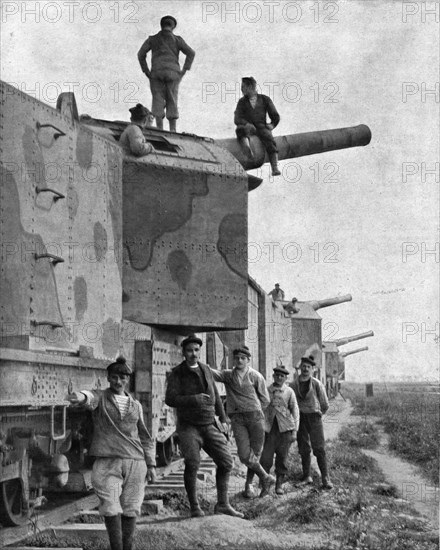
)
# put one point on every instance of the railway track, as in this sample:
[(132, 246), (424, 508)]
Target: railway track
[(169, 478)]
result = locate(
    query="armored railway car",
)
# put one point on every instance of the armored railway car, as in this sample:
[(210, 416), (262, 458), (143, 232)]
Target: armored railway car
[(102, 253)]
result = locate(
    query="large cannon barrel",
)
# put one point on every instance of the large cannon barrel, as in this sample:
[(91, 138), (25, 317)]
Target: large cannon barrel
[(348, 339), (358, 350), (319, 304), (300, 145)]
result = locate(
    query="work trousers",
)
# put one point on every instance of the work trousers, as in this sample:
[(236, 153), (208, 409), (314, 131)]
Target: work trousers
[(119, 483), (248, 428), (165, 90), (276, 443), (310, 435), (193, 438), (262, 132)]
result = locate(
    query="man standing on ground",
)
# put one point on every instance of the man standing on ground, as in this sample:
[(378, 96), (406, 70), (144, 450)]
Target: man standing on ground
[(246, 399), (124, 453), (251, 118), (192, 391), (282, 420), (313, 404), (165, 74)]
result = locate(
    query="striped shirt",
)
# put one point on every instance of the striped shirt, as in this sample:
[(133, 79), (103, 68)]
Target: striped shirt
[(123, 403)]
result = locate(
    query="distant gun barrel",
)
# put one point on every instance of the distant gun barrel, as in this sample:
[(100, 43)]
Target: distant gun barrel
[(346, 353), (348, 339), (319, 304), (299, 145)]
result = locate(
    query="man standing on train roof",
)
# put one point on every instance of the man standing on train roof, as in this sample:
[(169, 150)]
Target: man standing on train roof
[(246, 400), (251, 118), (192, 391), (132, 139), (313, 404), (124, 450), (165, 74), (277, 293), (282, 420)]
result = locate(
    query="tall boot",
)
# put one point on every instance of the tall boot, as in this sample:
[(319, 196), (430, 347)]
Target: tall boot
[(159, 122), (246, 145), (322, 463), (173, 124), (190, 480), (266, 479), (279, 484), (128, 528), (273, 158), (306, 461), (248, 488), (113, 526), (223, 506)]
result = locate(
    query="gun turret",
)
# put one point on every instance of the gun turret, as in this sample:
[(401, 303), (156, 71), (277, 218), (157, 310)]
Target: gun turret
[(348, 339), (299, 145), (345, 353), (319, 304)]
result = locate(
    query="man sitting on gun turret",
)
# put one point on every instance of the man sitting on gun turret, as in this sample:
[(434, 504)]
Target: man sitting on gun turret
[(250, 118)]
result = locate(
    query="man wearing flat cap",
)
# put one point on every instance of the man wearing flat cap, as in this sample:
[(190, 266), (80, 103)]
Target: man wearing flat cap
[(132, 139), (282, 420), (313, 404), (165, 74), (192, 391), (250, 118), (124, 450), (246, 400)]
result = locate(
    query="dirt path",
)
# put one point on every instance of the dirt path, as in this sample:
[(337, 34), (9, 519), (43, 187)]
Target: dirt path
[(422, 495), (337, 416)]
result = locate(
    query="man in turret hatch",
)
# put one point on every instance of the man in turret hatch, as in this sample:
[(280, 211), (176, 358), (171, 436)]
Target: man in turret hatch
[(251, 118), (165, 74), (132, 139)]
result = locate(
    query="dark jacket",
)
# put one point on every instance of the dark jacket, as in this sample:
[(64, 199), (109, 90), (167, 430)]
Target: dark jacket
[(245, 113), (184, 389), (165, 47), (315, 400)]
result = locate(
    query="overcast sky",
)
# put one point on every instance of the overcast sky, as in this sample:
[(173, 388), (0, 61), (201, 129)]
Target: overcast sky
[(362, 221)]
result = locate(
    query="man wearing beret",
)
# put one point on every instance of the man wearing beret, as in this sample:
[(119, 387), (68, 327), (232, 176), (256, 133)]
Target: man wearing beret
[(282, 420), (313, 404), (192, 391), (124, 453), (132, 139), (246, 399), (165, 74)]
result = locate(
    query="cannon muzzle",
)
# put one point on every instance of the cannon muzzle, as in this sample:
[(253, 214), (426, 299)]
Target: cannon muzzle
[(358, 350), (319, 304), (299, 145), (348, 339)]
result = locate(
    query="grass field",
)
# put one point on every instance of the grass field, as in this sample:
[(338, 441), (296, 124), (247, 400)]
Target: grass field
[(362, 512), (410, 416)]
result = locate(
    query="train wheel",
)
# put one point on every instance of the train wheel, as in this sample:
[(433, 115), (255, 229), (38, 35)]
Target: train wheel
[(165, 452), (13, 510)]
